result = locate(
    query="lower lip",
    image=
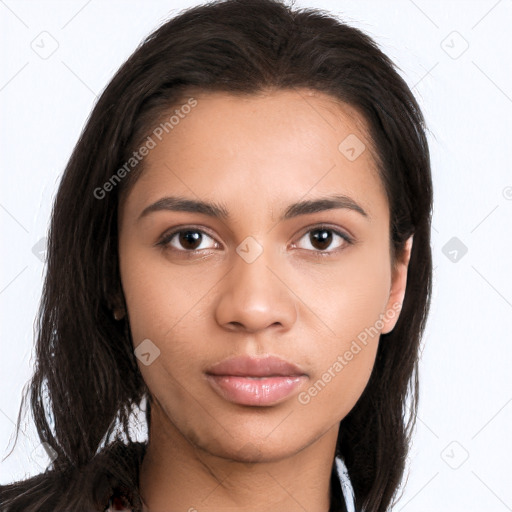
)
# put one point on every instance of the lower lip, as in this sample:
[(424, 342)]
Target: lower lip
[(255, 391)]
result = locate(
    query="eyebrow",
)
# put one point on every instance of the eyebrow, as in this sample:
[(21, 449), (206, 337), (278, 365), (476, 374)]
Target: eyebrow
[(217, 210)]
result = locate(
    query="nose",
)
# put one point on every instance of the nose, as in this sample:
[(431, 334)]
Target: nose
[(255, 296)]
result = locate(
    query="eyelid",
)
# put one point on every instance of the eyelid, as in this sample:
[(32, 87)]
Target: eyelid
[(328, 227), (169, 235), (348, 239)]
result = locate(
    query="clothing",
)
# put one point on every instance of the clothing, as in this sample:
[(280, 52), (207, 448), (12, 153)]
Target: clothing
[(121, 504), (118, 503), (346, 485)]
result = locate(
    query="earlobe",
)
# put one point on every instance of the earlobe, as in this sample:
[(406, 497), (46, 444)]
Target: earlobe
[(116, 305), (398, 286)]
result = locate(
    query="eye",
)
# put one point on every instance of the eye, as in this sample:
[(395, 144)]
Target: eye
[(189, 240), (321, 238)]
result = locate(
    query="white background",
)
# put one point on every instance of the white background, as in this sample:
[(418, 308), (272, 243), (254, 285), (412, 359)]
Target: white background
[(462, 451)]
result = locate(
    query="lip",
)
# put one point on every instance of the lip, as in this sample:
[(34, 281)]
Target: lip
[(259, 381)]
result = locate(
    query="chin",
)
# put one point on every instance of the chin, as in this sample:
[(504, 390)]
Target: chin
[(250, 449)]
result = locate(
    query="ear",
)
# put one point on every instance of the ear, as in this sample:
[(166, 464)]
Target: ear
[(397, 290), (115, 300), (116, 305)]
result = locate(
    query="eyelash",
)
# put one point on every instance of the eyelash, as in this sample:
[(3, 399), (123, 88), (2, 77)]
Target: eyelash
[(166, 239)]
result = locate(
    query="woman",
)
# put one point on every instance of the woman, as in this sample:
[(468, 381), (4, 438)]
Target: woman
[(240, 244)]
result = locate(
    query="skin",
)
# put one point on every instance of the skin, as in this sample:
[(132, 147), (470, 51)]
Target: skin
[(256, 155)]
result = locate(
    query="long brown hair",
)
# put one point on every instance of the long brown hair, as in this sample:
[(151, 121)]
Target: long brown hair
[(86, 377)]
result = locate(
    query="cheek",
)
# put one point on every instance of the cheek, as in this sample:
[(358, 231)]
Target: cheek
[(167, 307), (343, 356), (350, 302), (340, 379), (346, 297), (159, 296)]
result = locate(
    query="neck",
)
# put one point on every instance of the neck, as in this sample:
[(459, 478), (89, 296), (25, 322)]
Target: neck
[(185, 476)]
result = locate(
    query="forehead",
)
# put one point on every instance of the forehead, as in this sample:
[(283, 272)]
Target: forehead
[(262, 150)]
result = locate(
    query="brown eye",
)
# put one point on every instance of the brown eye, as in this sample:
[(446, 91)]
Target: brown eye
[(189, 239), (185, 240), (320, 239)]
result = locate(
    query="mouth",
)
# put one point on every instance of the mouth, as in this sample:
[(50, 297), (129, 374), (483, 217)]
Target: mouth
[(255, 381)]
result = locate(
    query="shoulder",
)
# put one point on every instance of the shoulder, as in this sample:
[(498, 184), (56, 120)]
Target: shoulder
[(34, 494), (106, 481)]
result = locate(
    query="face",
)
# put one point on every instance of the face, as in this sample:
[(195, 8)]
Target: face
[(314, 287)]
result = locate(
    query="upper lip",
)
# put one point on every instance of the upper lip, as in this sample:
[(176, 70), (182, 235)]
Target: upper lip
[(246, 366)]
